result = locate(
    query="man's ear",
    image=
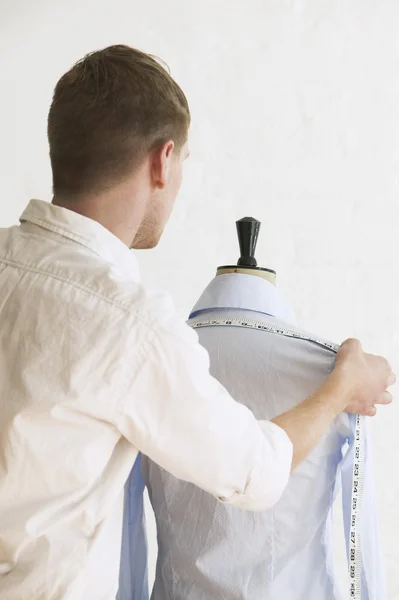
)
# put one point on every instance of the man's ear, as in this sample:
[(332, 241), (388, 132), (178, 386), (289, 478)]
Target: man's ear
[(161, 158)]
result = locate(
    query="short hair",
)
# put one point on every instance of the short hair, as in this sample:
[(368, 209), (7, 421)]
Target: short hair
[(108, 112)]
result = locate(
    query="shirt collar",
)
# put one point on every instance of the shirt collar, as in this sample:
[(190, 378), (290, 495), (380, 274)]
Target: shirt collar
[(83, 231), (248, 292)]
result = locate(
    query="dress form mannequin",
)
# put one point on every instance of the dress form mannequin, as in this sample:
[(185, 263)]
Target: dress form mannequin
[(248, 231)]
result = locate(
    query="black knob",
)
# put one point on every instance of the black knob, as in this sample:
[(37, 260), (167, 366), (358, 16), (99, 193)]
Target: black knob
[(247, 231)]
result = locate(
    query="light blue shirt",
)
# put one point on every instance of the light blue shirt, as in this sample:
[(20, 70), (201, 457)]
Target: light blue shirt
[(133, 576), (207, 550)]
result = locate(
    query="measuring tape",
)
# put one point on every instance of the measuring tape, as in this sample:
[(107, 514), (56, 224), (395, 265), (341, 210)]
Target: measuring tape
[(355, 554)]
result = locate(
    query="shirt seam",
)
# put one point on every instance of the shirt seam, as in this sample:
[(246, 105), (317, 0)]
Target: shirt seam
[(83, 288), (41, 235), (63, 232)]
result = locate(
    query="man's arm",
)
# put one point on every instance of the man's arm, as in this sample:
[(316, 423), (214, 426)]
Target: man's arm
[(187, 423)]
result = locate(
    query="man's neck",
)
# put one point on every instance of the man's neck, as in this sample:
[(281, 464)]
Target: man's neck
[(112, 209)]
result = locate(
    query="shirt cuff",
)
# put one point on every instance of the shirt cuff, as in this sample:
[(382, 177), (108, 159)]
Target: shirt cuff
[(270, 475)]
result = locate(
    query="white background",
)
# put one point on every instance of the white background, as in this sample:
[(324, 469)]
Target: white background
[(295, 110)]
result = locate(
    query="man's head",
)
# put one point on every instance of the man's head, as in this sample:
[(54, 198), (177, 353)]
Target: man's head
[(117, 130)]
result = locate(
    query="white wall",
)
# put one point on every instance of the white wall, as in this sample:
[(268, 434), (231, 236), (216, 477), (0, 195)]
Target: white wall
[(295, 121)]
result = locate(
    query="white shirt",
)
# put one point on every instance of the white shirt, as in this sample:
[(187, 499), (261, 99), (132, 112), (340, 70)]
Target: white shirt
[(94, 368), (209, 551)]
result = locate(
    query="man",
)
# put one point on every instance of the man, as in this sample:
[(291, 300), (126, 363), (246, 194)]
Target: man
[(207, 550), (95, 368)]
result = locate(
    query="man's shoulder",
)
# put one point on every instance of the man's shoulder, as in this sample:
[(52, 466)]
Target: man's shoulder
[(79, 281)]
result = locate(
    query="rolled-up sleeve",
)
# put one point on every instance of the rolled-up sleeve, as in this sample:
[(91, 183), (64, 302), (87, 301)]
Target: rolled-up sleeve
[(178, 415)]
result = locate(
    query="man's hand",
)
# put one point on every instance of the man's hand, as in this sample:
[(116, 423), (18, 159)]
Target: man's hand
[(365, 376), (357, 383)]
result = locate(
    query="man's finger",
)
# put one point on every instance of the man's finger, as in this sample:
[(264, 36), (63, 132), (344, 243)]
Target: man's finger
[(385, 398), (368, 411)]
